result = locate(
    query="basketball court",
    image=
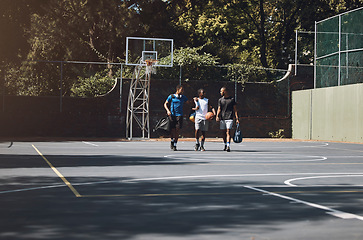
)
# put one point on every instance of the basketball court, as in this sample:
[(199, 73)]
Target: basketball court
[(122, 189), (143, 190)]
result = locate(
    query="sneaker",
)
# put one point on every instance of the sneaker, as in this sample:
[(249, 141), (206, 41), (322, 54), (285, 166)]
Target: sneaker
[(228, 149), (202, 149), (196, 148), (174, 148)]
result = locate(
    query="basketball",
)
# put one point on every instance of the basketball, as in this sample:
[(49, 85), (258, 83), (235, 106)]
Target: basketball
[(192, 117), (209, 116)]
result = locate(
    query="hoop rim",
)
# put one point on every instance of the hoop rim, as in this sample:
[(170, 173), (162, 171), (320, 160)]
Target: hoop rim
[(150, 62)]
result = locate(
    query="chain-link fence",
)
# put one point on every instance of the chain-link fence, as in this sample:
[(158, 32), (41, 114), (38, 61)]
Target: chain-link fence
[(92, 79), (339, 50), (90, 99)]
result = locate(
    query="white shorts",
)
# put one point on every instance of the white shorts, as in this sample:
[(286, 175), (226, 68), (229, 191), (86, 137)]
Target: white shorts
[(226, 124), (201, 124)]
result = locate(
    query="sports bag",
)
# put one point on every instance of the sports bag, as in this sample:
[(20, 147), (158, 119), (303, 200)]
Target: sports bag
[(163, 126), (237, 138)]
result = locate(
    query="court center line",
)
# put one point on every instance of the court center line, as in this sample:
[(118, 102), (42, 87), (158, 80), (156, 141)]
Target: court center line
[(76, 193), (336, 213)]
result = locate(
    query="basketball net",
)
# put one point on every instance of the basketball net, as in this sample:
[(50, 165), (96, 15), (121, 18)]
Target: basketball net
[(150, 66)]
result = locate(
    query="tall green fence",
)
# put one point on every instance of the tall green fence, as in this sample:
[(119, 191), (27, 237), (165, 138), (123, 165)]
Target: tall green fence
[(339, 50)]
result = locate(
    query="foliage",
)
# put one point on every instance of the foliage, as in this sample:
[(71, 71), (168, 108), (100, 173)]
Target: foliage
[(192, 56), (96, 85), (194, 63), (254, 32), (245, 33), (33, 79), (277, 134), (239, 73)]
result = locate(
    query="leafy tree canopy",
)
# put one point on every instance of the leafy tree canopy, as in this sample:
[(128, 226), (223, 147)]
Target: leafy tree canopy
[(248, 32)]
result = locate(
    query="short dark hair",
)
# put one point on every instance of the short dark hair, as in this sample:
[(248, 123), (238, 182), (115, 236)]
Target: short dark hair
[(179, 87), (225, 88), (200, 90)]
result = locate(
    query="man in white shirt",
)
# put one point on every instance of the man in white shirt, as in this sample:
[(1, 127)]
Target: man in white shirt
[(202, 106)]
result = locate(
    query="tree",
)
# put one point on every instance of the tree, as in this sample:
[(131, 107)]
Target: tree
[(254, 32), (194, 64), (248, 32), (85, 30)]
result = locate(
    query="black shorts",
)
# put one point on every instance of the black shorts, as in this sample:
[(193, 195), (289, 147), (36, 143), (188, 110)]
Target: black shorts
[(176, 122)]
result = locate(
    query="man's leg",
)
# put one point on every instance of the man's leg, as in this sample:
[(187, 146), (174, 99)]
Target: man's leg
[(222, 126), (228, 139), (202, 141), (176, 135), (179, 125), (172, 136), (224, 137), (196, 148), (229, 126)]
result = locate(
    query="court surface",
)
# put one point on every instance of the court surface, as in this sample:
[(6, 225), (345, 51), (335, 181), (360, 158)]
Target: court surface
[(143, 190)]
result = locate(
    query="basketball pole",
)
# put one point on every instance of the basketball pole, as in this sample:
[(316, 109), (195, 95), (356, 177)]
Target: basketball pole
[(143, 53), (138, 103)]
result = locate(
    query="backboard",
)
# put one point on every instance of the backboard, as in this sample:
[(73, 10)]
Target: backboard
[(158, 49)]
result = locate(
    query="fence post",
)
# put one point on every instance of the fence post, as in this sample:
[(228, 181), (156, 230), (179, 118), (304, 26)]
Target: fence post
[(61, 88), (121, 82), (3, 81), (235, 91), (296, 50), (315, 53), (180, 74), (340, 48)]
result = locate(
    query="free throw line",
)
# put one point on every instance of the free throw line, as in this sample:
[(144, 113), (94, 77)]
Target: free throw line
[(76, 193)]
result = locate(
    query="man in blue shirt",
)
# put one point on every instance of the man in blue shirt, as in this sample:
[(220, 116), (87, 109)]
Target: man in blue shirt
[(175, 113)]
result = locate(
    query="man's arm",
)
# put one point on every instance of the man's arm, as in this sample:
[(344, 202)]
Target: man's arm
[(196, 104), (167, 108), (236, 113), (218, 113), (211, 108)]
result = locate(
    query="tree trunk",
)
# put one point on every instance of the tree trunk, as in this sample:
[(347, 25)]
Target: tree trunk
[(262, 30)]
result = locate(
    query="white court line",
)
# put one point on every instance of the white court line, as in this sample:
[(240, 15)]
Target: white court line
[(33, 188), (92, 144), (257, 158), (56, 186), (288, 182), (336, 213), (271, 147), (179, 177)]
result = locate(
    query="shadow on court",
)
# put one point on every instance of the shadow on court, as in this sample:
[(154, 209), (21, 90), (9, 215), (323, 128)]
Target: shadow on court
[(133, 209), (57, 214), (34, 161)]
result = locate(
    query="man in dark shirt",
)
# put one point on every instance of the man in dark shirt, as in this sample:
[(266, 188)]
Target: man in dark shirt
[(227, 110)]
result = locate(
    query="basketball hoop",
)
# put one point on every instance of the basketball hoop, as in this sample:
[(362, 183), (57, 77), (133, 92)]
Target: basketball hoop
[(150, 66), (143, 53)]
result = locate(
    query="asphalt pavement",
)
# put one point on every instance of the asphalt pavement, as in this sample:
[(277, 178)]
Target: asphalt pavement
[(143, 190)]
